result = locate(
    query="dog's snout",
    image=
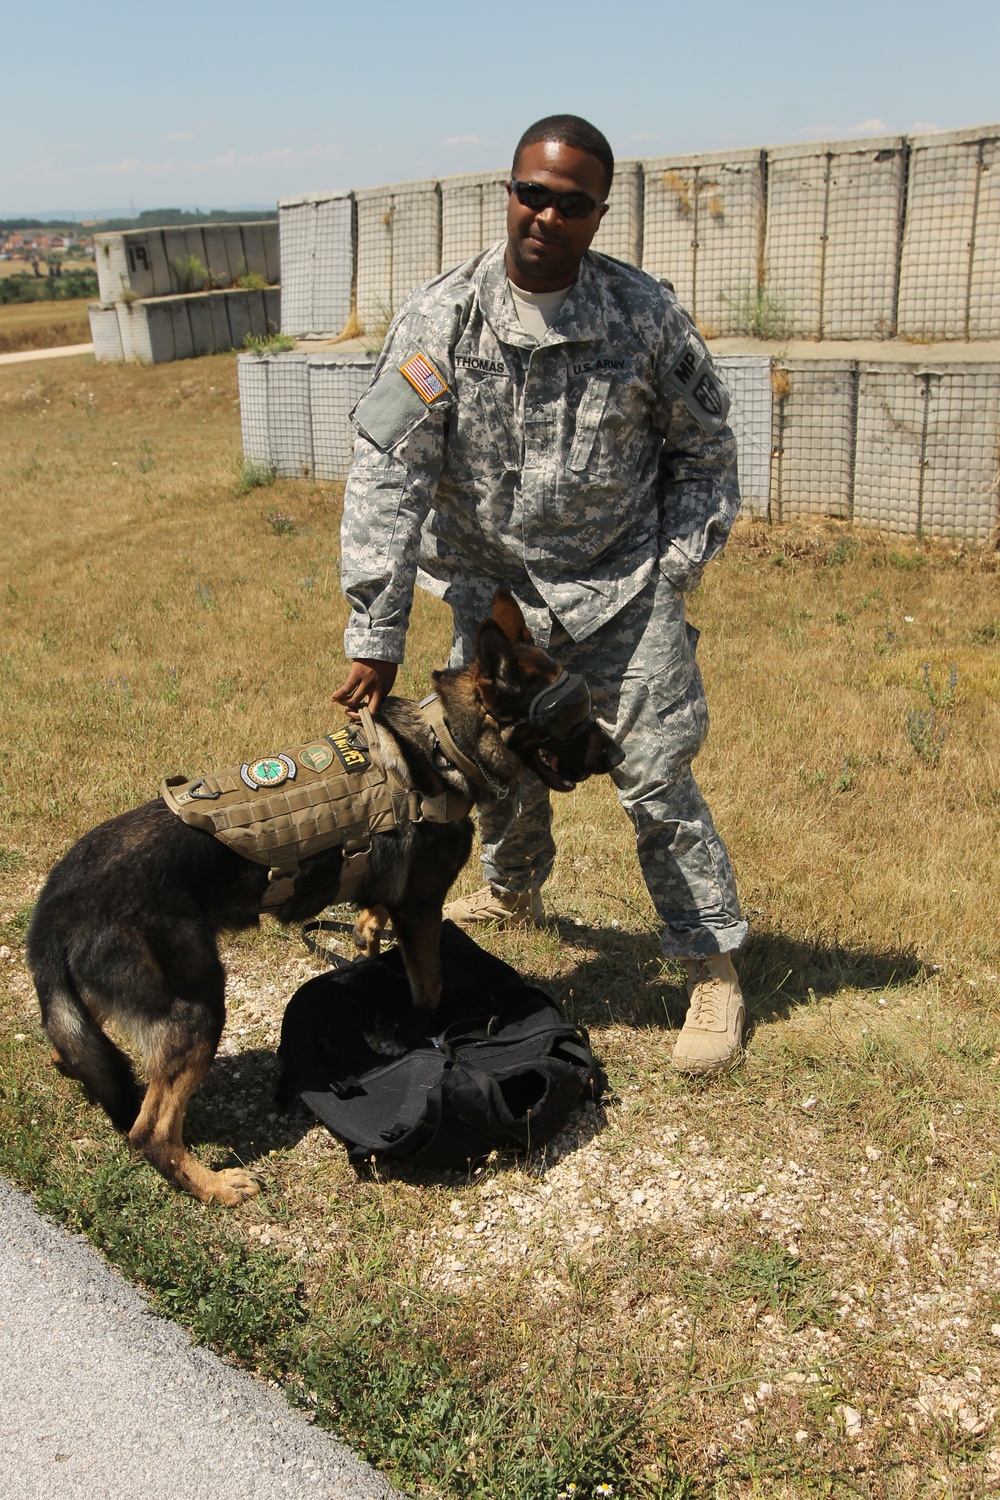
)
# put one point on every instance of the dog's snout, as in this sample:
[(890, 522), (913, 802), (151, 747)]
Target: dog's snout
[(615, 755)]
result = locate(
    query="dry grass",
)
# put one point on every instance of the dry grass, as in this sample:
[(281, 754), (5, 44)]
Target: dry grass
[(43, 325), (781, 1283)]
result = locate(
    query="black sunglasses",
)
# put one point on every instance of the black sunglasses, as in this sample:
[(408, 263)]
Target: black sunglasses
[(575, 205)]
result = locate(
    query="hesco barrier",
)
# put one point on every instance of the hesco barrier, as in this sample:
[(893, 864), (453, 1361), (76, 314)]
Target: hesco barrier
[(907, 448), (862, 239), (168, 293)]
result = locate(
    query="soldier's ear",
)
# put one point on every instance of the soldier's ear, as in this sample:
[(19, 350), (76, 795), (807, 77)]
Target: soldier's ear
[(507, 614), (495, 658)]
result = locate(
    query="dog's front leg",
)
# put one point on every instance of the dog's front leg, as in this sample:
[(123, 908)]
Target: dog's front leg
[(368, 930), (419, 937)]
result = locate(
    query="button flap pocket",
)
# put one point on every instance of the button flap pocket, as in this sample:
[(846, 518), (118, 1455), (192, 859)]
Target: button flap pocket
[(588, 422)]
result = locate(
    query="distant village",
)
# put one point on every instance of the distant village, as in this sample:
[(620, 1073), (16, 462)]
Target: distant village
[(45, 247)]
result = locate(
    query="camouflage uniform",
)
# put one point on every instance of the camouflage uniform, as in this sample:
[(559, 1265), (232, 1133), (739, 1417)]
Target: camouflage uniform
[(593, 475)]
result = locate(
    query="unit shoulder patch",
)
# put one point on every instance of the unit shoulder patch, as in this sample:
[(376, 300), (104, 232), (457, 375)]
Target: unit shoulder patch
[(694, 378)]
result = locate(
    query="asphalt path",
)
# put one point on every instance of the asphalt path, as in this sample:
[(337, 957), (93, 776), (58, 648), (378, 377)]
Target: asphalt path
[(100, 1398), (61, 351)]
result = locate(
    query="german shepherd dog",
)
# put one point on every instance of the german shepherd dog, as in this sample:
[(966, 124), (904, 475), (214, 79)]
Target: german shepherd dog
[(125, 928)]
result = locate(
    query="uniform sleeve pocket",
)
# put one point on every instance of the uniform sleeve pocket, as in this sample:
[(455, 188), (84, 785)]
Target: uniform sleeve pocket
[(589, 415), (390, 410)]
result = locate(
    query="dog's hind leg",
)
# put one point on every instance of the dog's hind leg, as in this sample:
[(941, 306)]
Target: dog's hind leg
[(179, 1040), (82, 1051)]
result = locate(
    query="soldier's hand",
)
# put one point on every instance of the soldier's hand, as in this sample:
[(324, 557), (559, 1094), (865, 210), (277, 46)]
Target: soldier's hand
[(366, 679)]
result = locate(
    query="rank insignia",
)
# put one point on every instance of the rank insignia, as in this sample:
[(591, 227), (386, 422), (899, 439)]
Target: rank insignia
[(423, 377), (270, 771), (316, 757)]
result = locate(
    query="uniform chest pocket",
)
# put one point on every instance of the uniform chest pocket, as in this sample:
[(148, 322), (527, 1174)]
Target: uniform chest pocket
[(497, 425), (589, 415)]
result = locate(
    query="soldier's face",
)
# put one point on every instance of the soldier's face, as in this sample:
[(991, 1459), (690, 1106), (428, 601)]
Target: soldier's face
[(544, 250)]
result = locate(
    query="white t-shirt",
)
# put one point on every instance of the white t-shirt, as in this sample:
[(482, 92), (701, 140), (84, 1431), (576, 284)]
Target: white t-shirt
[(537, 311)]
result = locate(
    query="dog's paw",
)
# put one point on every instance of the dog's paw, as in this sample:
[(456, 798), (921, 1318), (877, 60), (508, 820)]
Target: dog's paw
[(232, 1186)]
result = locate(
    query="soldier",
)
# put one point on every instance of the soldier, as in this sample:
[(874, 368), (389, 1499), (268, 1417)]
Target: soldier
[(549, 419)]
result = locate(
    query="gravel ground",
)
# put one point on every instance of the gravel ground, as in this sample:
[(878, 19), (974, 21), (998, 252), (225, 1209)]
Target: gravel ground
[(98, 1397)]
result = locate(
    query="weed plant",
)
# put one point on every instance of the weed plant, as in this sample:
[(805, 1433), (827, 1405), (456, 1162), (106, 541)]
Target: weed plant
[(778, 1283)]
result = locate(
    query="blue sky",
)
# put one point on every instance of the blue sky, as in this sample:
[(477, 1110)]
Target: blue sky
[(219, 104)]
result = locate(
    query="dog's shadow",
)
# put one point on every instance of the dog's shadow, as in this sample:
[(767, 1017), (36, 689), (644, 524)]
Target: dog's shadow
[(236, 1108)]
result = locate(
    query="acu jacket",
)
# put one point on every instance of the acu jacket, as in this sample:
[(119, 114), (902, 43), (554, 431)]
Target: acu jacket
[(566, 469)]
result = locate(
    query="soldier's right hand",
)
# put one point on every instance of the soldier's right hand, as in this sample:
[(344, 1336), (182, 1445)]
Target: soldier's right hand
[(366, 679)]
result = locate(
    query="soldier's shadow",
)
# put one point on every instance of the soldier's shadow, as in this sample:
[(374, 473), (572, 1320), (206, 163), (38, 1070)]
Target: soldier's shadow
[(624, 978)]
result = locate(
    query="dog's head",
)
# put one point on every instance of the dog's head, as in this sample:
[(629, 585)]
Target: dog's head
[(542, 713)]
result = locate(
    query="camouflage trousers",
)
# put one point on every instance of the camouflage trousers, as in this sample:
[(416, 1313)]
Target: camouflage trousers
[(647, 692)]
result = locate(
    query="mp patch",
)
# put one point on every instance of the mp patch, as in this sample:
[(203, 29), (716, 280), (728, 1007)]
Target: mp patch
[(693, 376), (423, 377), (351, 748)]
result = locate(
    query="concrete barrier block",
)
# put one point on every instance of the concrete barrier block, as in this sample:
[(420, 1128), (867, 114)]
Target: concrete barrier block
[(105, 333), (984, 283)]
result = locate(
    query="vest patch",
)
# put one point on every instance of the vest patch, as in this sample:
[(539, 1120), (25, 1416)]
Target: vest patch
[(352, 752), (271, 771), (317, 756)]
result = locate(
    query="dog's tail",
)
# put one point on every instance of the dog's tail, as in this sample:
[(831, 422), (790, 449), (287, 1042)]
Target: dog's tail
[(83, 1051)]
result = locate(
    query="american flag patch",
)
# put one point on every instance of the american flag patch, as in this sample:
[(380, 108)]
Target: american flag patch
[(423, 377)]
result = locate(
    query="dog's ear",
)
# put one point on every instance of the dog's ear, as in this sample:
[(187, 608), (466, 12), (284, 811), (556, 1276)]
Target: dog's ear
[(508, 616), (495, 658)]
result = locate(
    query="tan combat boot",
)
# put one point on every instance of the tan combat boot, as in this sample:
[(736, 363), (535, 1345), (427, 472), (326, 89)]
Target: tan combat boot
[(711, 1037), (502, 908)]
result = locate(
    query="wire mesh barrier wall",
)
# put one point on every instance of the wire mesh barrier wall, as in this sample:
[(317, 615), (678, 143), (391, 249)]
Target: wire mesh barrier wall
[(892, 445), (156, 330), (398, 246), (473, 215), (834, 217), (316, 235), (927, 450), (951, 242), (885, 239), (294, 411), (702, 230), (748, 380)]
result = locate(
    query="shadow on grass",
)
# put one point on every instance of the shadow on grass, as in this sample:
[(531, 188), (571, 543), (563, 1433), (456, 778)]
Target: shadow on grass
[(627, 981)]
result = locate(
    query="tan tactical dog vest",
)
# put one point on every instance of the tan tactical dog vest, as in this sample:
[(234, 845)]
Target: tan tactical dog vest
[(332, 791)]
